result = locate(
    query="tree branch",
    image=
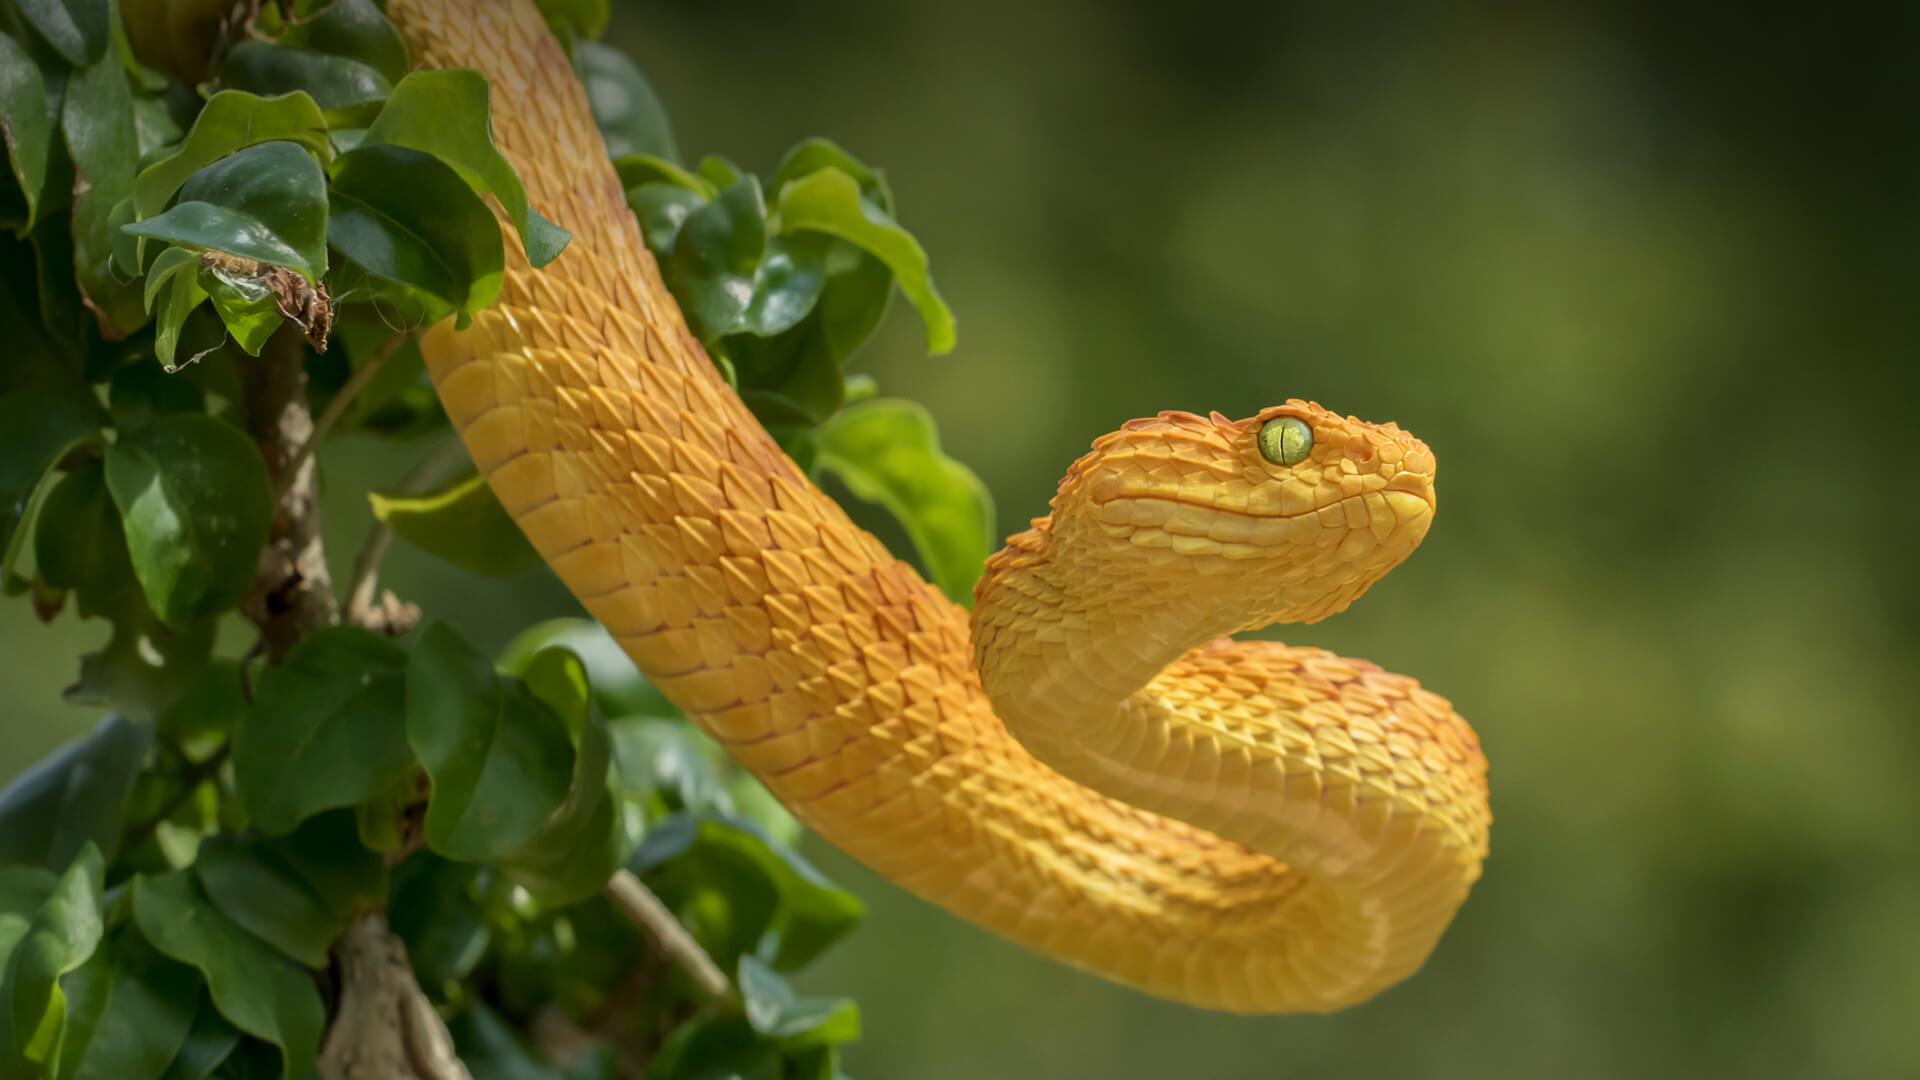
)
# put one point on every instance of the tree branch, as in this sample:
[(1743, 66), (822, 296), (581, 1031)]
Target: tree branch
[(293, 593), (631, 896)]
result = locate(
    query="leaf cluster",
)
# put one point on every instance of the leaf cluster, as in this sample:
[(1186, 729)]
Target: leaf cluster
[(170, 885)]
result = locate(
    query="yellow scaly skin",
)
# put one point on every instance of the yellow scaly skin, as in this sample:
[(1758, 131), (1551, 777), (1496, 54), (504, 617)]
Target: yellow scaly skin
[(1237, 825)]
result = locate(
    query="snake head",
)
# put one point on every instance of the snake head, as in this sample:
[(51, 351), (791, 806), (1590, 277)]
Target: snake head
[(1286, 515)]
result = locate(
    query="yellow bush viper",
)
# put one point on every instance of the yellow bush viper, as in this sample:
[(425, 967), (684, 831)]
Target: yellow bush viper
[(1240, 826)]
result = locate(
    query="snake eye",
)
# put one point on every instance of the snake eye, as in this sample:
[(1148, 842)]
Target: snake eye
[(1286, 441)]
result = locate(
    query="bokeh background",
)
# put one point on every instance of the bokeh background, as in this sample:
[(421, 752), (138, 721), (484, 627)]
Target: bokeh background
[(1647, 279)]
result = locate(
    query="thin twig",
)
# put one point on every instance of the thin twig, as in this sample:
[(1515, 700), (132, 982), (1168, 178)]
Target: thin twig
[(645, 909), (361, 598), (337, 408)]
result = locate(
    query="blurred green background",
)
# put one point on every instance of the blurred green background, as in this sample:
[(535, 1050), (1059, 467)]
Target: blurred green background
[(1648, 281)]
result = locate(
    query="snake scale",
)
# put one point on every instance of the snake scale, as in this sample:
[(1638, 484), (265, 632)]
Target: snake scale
[(1087, 764)]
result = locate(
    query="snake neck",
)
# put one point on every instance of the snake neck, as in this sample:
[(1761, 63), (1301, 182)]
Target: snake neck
[(1066, 645)]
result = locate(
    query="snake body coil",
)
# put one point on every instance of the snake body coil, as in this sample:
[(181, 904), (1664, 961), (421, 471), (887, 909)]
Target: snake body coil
[(1238, 825)]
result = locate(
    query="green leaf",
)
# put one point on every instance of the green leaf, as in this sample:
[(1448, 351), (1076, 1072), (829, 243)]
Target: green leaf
[(446, 114), (59, 937), (334, 82), (267, 203), (720, 172), (209, 1042), (786, 285), (625, 107), (263, 993), (231, 121), (641, 168), (746, 894), (194, 497), (812, 155), (24, 123), (499, 759), (433, 910), (80, 545), (97, 119), (829, 201), (354, 29), (145, 668), (663, 209), (586, 840), (178, 292), (43, 426), (793, 1022), (144, 390), (248, 309), (584, 18), (888, 452), (463, 523), (77, 29), (73, 797), (327, 729), (296, 894), (714, 258), (129, 1012), (407, 218)]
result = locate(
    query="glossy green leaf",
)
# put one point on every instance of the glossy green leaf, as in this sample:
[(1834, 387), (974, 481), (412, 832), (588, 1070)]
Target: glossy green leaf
[(446, 114), (98, 122), (73, 797), (499, 759), (209, 1042), (79, 30), (663, 209), (174, 292), (405, 217), (463, 523), (44, 425), (129, 1010), (809, 156), (57, 938), (248, 309), (888, 452), (354, 29), (334, 82), (297, 893), (434, 911), (625, 107), (144, 668), (262, 992), (786, 286), (585, 841), (231, 121), (328, 729), (266, 202), (617, 685), (793, 1022), (24, 122), (194, 497), (830, 201), (714, 257), (745, 894)]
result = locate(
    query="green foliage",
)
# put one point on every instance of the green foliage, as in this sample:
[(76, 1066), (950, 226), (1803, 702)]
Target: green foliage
[(172, 884)]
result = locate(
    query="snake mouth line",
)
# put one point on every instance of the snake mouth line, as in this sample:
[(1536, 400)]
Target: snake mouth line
[(1249, 514)]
